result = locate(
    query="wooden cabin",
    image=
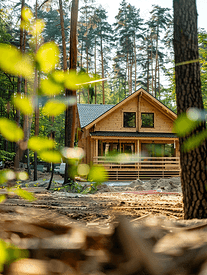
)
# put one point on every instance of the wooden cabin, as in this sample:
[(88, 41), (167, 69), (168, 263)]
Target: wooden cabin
[(140, 126)]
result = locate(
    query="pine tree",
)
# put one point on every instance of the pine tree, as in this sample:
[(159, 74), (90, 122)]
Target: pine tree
[(188, 91)]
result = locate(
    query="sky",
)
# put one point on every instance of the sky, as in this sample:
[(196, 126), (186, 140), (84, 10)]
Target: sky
[(145, 6)]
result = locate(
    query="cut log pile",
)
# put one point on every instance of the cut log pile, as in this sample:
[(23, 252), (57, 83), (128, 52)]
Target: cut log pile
[(146, 246)]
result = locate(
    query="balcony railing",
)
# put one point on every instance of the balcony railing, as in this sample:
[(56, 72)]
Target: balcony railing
[(135, 163)]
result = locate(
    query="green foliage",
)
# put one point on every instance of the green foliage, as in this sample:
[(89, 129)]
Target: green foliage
[(10, 253), (4, 155), (183, 125), (40, 143), (202, 41), (23, 194), (15, 63), (24, 104), (97, 174), (50, 156), (54, 108), (186, 124), (10, 130), (47, 57)]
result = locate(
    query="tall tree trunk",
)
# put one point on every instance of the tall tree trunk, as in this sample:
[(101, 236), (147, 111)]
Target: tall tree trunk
[(128, 73), (95, 72), (37, 107), (152, 64), (102, 67), (70, 116), (148, 66), (135, 65), (188, 91), (19, 83), (159, 79), (53, 165), (63, 36), (156, 59)]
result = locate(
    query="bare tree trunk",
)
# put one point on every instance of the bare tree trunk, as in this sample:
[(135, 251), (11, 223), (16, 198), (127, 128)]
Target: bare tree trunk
[(102, 66), (70, 117), (152, 64), (188, 91), (159, 79), (19, 83), (63, 36), (95, 72), (135, 65), (36, 108), (53, 165), (156, 63)]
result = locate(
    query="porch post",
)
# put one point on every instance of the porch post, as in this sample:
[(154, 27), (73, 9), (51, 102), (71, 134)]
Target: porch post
[(138, 147), (138, 156), (96, 148)]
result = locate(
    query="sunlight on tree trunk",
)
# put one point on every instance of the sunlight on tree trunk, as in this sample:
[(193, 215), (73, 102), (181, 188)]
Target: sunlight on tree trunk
[(188, 90)]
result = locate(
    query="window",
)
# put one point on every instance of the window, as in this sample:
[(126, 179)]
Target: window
[(130, 120), (158, 150), (147, 120)]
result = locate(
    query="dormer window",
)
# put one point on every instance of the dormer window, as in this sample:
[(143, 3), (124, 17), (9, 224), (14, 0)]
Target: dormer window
[(147, 120), (129, 119)]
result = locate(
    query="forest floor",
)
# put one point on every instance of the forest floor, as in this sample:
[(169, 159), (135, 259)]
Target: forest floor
[(118, 230), (133, 200)]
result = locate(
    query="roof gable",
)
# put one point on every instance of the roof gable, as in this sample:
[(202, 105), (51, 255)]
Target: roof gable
[(90, 112), (97, 112)]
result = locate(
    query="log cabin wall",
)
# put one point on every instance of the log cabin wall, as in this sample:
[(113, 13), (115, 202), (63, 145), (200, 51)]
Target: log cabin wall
[(114, 121), (162, 123)]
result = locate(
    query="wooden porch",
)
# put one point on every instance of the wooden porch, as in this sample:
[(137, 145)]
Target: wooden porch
[(133, 167)]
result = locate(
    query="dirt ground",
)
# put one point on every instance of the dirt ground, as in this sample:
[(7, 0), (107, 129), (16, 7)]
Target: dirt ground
[(135, 228), (99, 209)]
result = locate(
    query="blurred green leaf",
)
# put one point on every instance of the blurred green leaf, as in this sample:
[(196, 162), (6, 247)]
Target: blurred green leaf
[(49, 87), (48, 57), (6, 175), (53, 108), (194, 141), (50, 156), (26, 14), (38, 27), (97, 174), (14, 62), (3, 254), (24, 104), (23, 194), (183, 125), (3, 178), (40, 143), (83, 169), (2, 198), (10, 130), (10, 253), (58, 76), (73, 80)]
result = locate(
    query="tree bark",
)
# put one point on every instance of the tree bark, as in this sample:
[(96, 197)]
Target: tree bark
[(36, 107), (70, 116), (135, 66), (19, 84), (95, 71), (152, 63), (188, 90), (102, 69), (63, 36)]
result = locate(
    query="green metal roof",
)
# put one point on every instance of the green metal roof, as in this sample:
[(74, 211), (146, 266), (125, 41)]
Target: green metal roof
[(89, 112), (133, 134)]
